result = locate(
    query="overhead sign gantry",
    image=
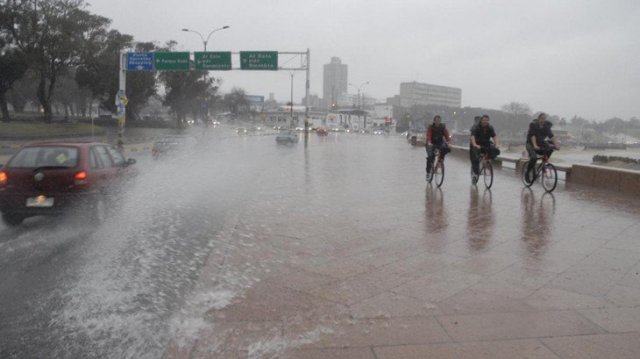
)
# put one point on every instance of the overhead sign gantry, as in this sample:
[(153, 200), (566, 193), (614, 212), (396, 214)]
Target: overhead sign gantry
[(205, 61)]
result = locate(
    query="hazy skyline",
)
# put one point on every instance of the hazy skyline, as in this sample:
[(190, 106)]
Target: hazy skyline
[(566, 58)]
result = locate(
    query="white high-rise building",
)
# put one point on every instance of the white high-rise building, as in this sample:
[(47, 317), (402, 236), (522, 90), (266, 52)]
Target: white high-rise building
[(335, 81), (415, 93)]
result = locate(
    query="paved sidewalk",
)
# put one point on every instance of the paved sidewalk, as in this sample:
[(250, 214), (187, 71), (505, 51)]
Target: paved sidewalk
[(393, 268)]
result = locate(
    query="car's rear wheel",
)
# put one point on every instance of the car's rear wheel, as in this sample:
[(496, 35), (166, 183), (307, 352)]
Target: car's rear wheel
[(12, 220)]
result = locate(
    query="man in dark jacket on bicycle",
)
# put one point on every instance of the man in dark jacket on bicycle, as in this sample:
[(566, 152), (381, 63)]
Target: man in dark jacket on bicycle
[(481, 140), (539, 131), (437, 137)]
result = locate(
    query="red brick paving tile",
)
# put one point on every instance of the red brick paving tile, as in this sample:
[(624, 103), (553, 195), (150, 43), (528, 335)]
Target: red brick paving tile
[(610, 346), (370, 332), (622, 296), (390, 305), (268, 302), (516, 325), (438, 286), (548, 298), (508, 349), (342, 353), (615, 320), (472, 301)]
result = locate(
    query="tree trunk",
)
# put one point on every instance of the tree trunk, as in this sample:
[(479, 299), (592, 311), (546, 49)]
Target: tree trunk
[(5, 108), (44, 99)]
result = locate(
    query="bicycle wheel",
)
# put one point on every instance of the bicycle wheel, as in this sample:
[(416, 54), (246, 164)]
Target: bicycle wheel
[(438, 172), (524, 176), (487, 174), (549, 177), (430, 175)]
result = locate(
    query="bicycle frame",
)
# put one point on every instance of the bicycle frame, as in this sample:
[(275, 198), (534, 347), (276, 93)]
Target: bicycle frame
[(542, 168)]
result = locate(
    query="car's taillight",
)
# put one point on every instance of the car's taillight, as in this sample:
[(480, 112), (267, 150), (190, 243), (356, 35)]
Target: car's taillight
[(3, 179), (80, 177)]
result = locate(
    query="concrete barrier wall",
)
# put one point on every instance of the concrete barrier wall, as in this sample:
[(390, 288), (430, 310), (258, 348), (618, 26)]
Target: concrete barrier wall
[(612, 179)]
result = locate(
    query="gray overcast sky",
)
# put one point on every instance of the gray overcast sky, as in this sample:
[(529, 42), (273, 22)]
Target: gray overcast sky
[(564, 57)]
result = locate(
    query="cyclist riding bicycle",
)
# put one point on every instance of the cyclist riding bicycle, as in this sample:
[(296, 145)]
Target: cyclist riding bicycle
[(437, 137), (481, 140), (539, 131)]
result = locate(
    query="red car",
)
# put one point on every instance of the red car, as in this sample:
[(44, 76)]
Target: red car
[(51, 178), (322, 132)]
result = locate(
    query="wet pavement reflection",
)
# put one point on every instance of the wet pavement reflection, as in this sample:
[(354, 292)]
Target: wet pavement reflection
[(331, 247), (480, 221), (537, 220)]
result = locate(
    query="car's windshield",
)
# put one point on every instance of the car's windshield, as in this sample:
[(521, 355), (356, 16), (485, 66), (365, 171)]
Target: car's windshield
[(45, 156)]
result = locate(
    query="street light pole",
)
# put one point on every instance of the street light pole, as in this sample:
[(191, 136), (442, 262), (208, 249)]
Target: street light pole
[(204, 73), (360, 100), (204, 42), (291, 103)]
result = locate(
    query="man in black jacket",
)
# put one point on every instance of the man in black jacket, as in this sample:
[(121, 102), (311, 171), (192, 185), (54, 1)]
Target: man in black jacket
[(539, 131)]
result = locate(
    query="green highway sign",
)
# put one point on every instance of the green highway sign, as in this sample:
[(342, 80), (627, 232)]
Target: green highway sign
[(258, 60), (213, 60), (172, 61)]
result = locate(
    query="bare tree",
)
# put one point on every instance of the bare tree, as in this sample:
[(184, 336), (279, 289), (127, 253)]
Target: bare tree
[(517, 109)]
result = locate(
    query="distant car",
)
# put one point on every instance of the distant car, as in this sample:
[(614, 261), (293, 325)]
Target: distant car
[(287, 136), (322, 132), (378, 132), (52, 178), (241, 131), (417, 137), (171, 144)]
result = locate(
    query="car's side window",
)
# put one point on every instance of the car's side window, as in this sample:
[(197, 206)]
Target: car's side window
[(104, 156), (93, 159), (118, 158)]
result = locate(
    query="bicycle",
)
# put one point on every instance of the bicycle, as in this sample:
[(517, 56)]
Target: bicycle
[(486, 170), (437, 169), (545, 169)]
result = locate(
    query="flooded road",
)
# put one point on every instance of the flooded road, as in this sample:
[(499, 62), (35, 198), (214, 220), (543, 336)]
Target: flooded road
[(243, 248)]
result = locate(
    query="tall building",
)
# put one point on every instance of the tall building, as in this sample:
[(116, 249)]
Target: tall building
[(415, 93), (335, 81)]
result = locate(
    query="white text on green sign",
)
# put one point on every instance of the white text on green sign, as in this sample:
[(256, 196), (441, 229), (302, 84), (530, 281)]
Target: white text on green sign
[(258, 60), (212, 60), (172, 61)]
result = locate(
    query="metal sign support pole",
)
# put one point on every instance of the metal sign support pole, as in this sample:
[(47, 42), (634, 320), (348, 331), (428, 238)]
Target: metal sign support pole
[(122, 91)]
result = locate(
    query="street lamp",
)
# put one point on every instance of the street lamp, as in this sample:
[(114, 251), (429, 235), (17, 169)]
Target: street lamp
[(291, 103), (204, 74), (204, 42), (359, 88), (364, 125)]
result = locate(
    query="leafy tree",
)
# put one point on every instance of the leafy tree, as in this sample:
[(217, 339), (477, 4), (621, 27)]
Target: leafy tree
[(13, 61), (186, 92), (236, 101), (53, 34), (23, 91), (13, 65), (98, 71)]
